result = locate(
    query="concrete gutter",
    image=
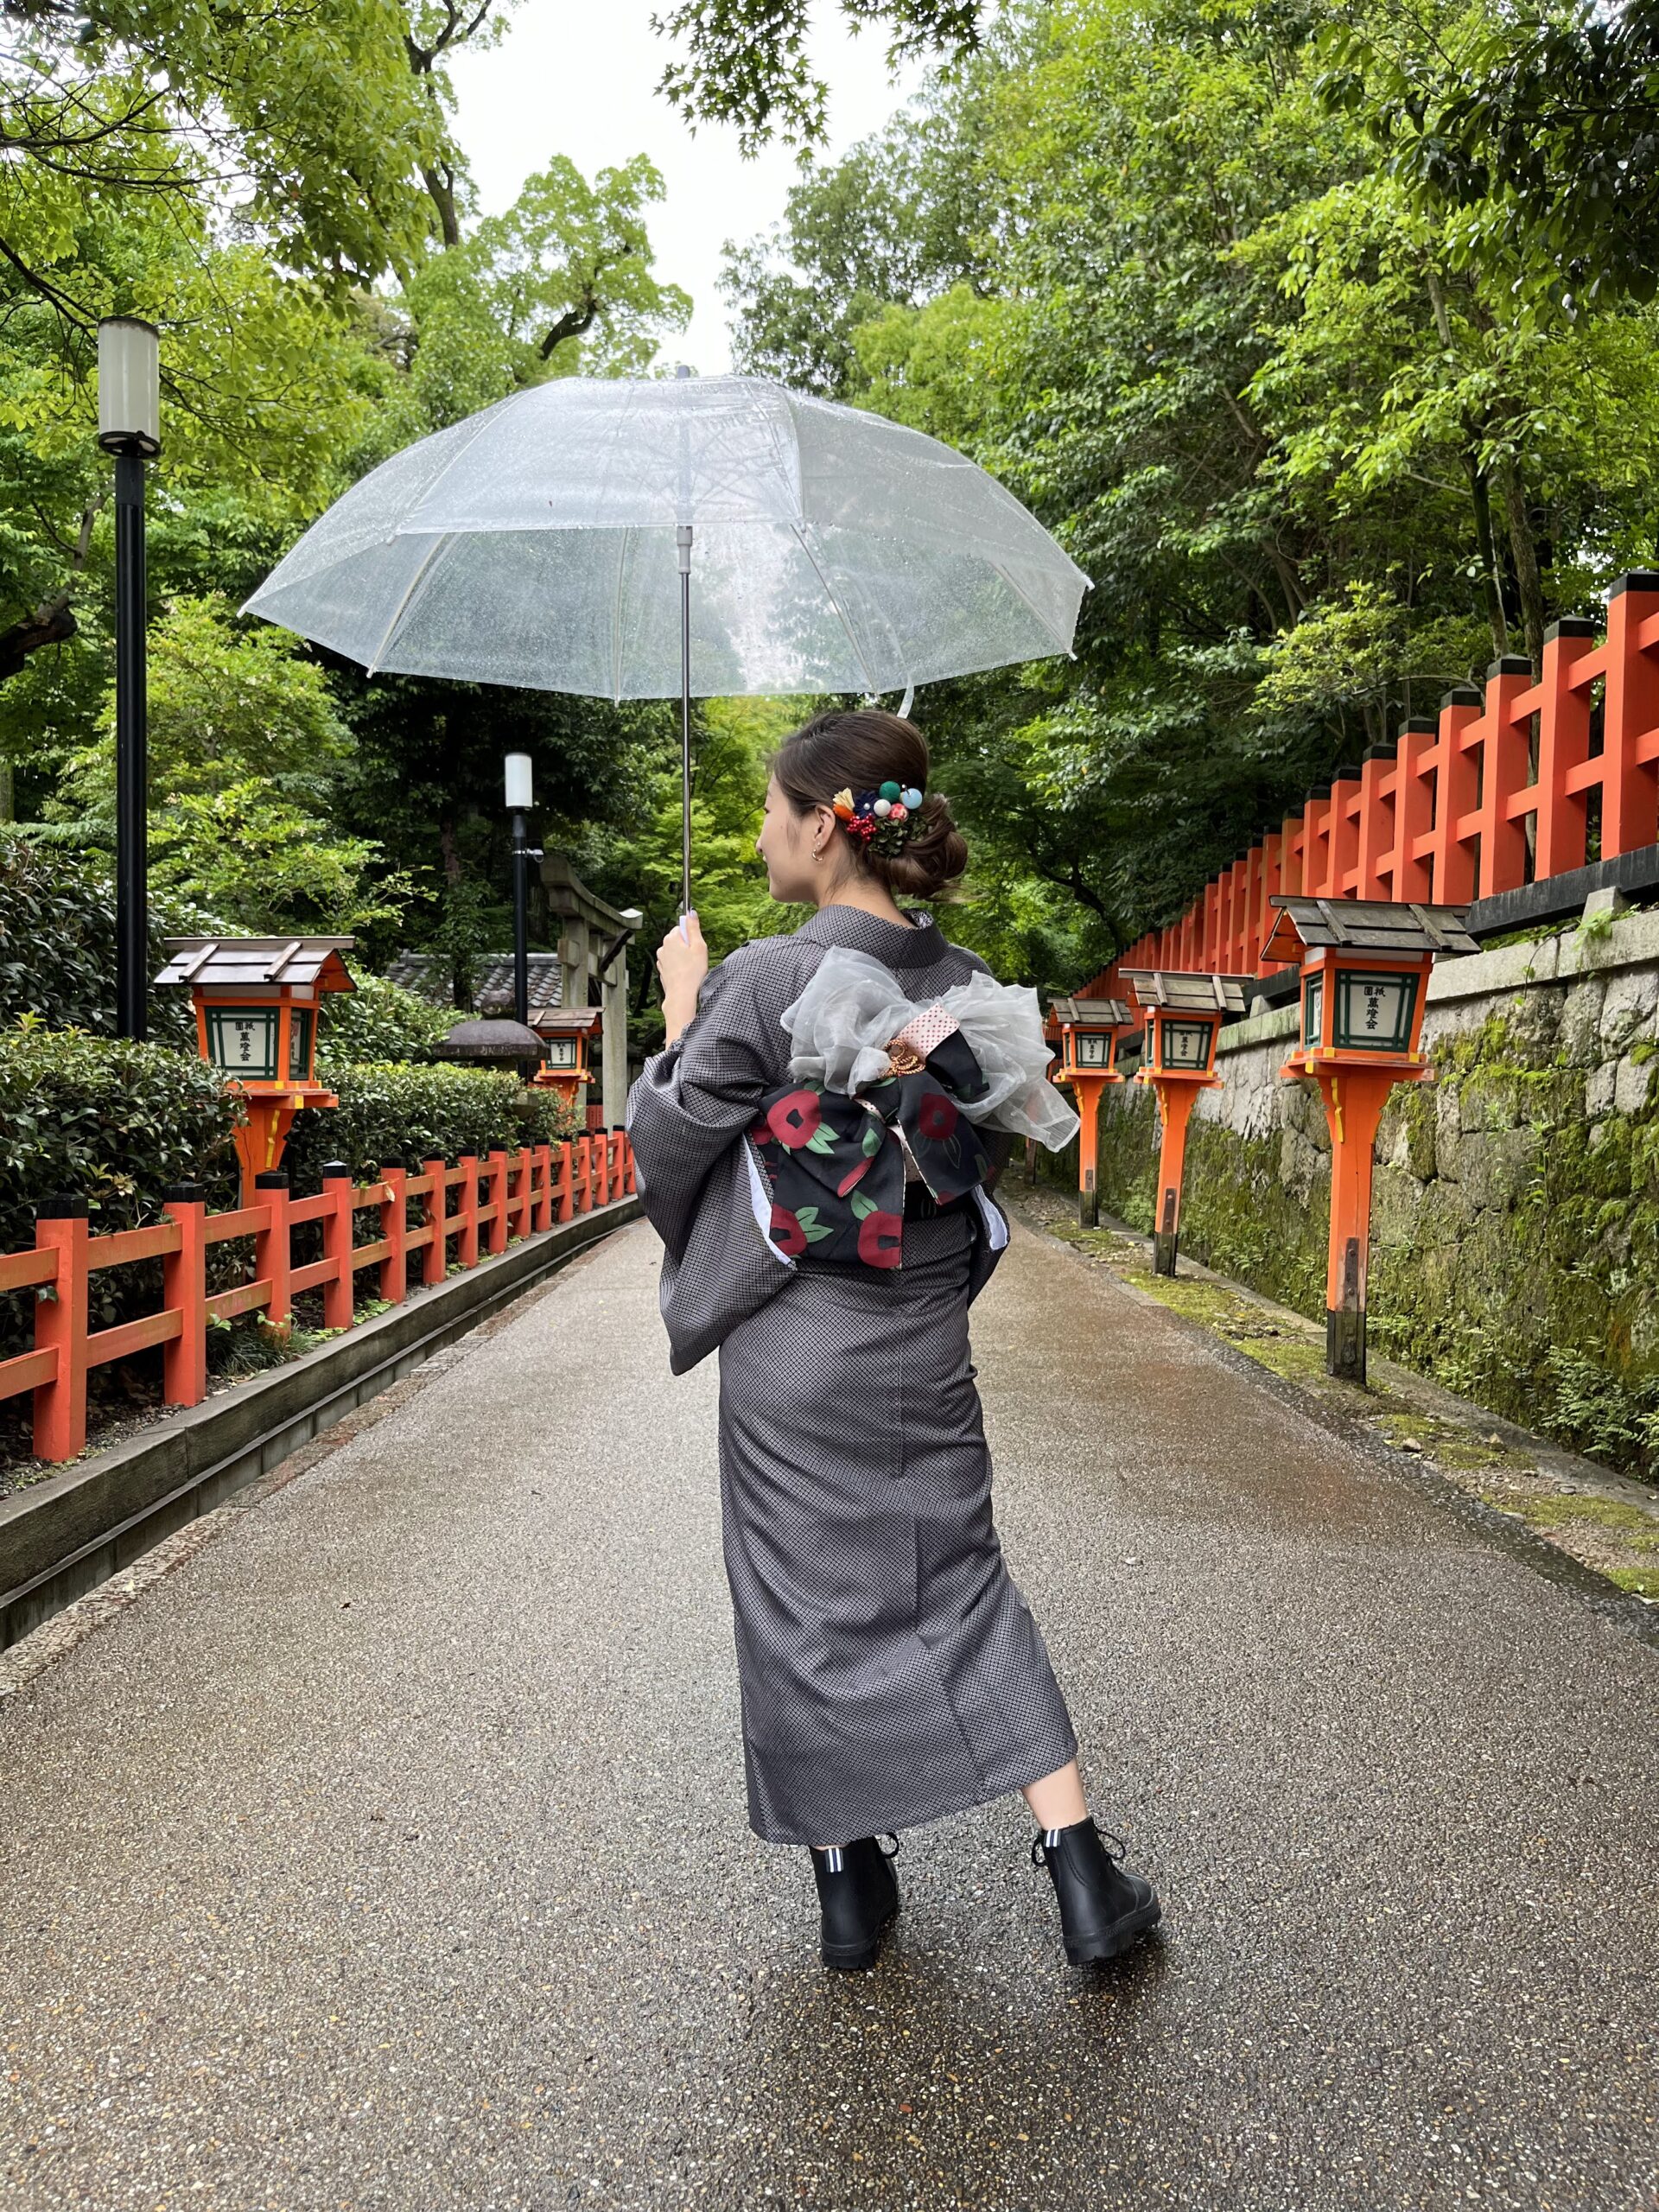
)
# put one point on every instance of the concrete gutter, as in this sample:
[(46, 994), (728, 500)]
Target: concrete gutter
[(62, 1536)]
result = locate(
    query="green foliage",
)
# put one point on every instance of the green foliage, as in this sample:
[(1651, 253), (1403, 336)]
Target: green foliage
[(57, 944), (1320, 454), (107, 1120), (391, 1110), (1536, 132), (379, 1020)]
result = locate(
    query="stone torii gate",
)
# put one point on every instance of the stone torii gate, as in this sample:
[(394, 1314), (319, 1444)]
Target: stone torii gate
[(593, 946)]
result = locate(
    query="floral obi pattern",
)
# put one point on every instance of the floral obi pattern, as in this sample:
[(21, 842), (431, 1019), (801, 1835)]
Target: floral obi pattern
[(835, 1160)]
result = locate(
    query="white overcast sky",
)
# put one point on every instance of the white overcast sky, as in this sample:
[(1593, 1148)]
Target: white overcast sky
[(576, 77)]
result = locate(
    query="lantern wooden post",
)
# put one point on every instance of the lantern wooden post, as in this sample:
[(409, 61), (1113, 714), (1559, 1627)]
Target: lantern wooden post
[(1089, 1033), (1183, 1010), (1365, 969)]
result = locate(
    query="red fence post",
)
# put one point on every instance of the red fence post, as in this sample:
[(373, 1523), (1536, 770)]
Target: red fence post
[(1506, 768), (394, 1227), (600, 1145), (585, 1173), (272, 1252), (60, 1326), (1563, 745), (1455, 783), (184, 1285), (565, 1196), (1630, 788), (337, 1288), (497, 1240), (469, 1253), (527, 1182), (542, 1174), (437, 1215)]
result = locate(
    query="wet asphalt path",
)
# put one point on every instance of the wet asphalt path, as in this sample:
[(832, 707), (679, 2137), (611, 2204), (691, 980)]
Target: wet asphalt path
[(390, 1852)]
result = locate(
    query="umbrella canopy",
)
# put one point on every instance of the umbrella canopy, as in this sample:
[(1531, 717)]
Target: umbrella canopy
[(542, 543)]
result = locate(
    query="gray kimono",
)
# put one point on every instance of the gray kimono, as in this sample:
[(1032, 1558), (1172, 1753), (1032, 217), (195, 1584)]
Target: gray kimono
[(889, 1668)]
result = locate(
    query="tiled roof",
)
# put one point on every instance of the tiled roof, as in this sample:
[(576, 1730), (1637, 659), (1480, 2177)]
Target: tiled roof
[(427, 973)]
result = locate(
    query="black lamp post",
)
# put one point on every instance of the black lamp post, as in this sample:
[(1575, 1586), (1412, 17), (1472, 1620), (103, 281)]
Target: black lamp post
[(520, 800), (129, 426)]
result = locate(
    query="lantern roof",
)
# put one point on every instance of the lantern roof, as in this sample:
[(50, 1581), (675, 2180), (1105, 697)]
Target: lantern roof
[(1189, 991), (489, 1041), (560, 1022), (1091, 1013), (237, 963), (1364, 925)]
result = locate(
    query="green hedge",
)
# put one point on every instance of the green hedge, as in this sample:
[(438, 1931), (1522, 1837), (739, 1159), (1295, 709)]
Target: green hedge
[(109, 1121), (380, 1020), (117, 1123), (389, 1111), (114, 1122)]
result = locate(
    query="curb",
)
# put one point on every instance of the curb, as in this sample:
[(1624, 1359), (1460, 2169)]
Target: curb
[(64, 1536)]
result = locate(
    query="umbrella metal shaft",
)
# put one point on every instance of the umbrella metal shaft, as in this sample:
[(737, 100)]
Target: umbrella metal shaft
[(683, 542)]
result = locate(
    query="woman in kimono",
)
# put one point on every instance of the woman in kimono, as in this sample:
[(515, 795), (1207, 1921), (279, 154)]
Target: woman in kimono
[(890, 1669)]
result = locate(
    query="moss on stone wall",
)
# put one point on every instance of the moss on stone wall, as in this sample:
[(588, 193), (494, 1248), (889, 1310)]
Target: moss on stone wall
[(1515, 1248)]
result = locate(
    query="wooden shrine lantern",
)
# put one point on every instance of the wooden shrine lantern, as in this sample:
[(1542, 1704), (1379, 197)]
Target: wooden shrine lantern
[(1089, 1031), (567, 1034), (1184, 1012), (1365, 967), (256, 1001)]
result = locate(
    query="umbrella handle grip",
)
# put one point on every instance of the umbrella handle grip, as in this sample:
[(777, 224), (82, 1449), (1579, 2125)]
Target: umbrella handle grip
[(685, 935)]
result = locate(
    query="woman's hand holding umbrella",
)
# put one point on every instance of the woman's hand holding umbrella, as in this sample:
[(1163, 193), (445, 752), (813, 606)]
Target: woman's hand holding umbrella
[(681, 962)]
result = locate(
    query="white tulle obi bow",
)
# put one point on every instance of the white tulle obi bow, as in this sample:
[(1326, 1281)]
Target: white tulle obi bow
[(850, 1013)]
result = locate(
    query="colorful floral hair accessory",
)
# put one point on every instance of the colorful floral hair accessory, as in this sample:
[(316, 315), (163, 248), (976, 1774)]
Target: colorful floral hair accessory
[(883, 819)]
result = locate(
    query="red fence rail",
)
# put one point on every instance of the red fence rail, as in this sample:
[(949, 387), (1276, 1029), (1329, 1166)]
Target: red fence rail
[(1506, 787), (498, 1199)]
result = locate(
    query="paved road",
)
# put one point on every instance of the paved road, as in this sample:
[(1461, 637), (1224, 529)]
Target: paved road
[(391, 1852)]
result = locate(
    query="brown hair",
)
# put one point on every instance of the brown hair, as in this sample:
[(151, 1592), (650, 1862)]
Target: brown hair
[(856, 749)]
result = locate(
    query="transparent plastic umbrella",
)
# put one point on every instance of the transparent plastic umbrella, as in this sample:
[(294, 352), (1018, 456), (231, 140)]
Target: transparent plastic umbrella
[(699, 535)]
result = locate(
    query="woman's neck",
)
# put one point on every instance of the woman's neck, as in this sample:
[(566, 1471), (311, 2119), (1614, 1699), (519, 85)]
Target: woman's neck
[(869, 899)]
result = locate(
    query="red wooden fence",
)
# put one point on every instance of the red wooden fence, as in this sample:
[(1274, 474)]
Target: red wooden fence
[(501, 1198), (1506, 787)]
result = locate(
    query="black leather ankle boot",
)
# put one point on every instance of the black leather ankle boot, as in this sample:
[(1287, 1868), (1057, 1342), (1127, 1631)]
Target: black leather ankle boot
[(858, 1892), (1103, 1909)]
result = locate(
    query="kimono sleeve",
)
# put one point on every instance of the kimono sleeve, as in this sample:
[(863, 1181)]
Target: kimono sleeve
[(692, 1101)]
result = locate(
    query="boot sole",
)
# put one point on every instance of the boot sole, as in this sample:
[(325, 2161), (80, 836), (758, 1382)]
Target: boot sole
[(1117, 1939), (854, 1958)]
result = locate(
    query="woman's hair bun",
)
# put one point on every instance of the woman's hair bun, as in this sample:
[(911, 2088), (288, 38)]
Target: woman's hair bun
[(858, 749)]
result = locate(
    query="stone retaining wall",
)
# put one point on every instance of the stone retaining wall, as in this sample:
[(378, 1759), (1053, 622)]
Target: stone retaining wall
[(1514, 1249)]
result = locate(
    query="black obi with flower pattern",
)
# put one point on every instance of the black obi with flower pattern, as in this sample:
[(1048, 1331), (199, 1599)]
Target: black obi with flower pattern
[(836, 1161)]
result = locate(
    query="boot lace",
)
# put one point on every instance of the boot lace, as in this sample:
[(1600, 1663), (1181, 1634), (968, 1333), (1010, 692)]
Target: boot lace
[(1039, 1850)]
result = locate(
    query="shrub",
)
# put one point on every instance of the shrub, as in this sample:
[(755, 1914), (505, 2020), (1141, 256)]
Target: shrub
[(380, 1020), (114, 1122), (391, 1110), (57, 942)]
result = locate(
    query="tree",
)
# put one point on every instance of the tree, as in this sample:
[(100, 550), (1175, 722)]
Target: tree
[(1319, 457), (247, 754), (1538, 134)]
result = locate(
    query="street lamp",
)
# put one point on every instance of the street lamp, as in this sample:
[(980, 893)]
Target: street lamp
[(129, 426), (520, 800)]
